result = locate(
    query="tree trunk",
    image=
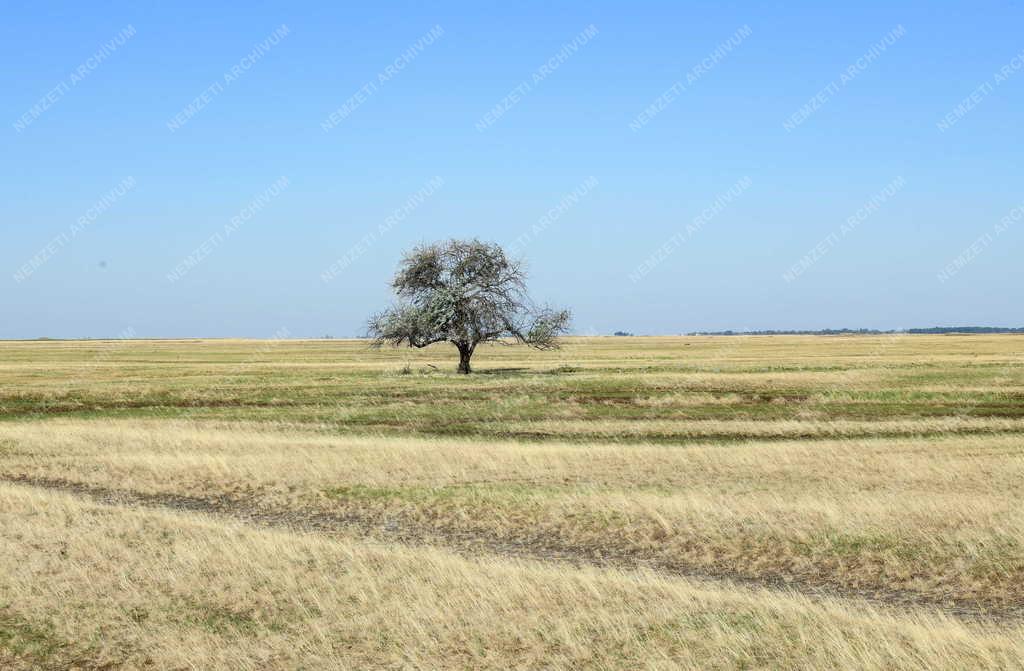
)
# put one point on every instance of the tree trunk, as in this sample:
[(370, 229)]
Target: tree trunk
[(465, 353)]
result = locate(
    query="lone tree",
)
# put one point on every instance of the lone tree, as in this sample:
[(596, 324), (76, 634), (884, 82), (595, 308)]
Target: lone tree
[(464, 292)]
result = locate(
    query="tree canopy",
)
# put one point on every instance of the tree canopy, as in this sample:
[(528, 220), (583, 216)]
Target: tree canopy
[(464, 292)]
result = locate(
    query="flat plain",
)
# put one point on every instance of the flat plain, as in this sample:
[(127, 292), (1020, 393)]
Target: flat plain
[(720, 502)]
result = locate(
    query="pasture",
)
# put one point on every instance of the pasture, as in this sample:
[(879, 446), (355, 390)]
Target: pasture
[(622, 503)]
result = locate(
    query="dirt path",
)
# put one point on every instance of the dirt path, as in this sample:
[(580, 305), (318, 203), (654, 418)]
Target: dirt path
[(390, 527)]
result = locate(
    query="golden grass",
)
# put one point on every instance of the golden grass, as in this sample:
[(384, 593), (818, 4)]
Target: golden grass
[(941, 518), (93, 585), (874, 485)]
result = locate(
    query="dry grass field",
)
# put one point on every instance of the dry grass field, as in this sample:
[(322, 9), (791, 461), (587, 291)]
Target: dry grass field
[(623, 503)]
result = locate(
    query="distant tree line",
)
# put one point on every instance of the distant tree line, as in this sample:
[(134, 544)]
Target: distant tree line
[(932, 330), (967, 329)]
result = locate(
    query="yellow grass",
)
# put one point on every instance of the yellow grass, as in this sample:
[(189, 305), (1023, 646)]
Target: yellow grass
[(819, 503), (134, 589)]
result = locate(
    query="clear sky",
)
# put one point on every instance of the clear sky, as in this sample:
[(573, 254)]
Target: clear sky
[(192, 169)]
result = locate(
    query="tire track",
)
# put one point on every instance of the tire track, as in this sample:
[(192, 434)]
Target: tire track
[(395, 527)]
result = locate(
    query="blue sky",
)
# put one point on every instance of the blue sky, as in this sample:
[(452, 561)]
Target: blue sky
[(103, 202)]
